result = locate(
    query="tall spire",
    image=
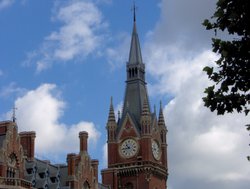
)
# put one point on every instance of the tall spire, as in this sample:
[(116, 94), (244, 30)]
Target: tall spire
[(135, 50), (136, 91)]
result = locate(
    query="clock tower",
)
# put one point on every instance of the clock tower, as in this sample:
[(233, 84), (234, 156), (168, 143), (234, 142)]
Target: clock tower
[(136, 140)]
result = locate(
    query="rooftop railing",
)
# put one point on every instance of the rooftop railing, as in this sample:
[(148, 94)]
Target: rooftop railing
[(14, 183)]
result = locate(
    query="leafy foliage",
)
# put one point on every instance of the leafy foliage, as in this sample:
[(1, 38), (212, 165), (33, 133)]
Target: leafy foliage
[(231, 77), (248, 129)]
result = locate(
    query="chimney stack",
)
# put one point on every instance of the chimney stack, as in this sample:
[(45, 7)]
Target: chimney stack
[(83, 141), (94, 164), (71, 164), (28, 143)]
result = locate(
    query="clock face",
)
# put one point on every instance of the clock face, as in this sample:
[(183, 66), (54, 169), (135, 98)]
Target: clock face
[(156, 150), (128, 148)]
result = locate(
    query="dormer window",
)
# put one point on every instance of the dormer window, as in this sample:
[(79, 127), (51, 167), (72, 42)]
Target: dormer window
[(29, 170), (53, 179), (42, 175)]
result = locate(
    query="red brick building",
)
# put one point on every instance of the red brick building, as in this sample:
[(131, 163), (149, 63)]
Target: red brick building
[(20, 169), (12, 161), (137, 147)]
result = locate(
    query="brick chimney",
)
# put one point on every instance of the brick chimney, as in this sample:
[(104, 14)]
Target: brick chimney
[(83, 141), (28, 143), (71, 164), (71, 160), (94, 164)]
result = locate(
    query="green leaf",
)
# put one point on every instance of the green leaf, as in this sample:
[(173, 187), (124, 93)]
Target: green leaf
[(209, 70), (208, 24), (224, 53)]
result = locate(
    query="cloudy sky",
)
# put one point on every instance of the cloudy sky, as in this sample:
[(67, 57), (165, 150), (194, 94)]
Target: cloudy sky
[(62, 60)]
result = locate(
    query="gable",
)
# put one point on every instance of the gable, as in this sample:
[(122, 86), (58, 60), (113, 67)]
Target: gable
[(127, 129)]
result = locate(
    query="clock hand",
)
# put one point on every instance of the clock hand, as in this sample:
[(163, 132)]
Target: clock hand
[(125, 148)]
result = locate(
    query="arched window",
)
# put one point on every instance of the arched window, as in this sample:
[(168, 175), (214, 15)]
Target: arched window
[(12, 163), (129, 185), (86, 185), (136, 72), (162, 137)]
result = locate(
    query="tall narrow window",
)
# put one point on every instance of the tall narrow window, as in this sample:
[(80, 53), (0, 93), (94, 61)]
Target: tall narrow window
[(86, 185), (129, 186)]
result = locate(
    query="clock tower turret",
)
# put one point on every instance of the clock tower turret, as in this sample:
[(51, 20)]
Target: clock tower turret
[(137, 147)]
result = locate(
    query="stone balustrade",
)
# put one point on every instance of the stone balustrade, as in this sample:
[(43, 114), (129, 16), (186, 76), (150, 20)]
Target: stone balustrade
[(14, 183)]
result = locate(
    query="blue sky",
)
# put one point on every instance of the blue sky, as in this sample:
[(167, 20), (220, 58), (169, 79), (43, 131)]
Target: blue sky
[(62, 60)]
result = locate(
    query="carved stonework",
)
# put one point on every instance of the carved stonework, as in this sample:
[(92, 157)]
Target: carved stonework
[(11, 151)]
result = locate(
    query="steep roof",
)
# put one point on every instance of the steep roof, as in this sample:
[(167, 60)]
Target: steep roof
[(136, 90), (135, 56)]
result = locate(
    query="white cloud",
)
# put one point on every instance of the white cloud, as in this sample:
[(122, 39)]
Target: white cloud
[(105, 155), (39, 110), (81, 34), (181, 23), (10, 89), (201, 143), (117, 55), (6, 3), (205, 150), (118, 108)]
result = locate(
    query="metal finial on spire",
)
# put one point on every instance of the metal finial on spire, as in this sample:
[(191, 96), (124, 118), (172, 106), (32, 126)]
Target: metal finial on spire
[(134, 8), (14, 114), (111, 100)]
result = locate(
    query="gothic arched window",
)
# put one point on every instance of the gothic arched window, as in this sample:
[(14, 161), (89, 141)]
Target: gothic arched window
[(86, 185), (129, 186)]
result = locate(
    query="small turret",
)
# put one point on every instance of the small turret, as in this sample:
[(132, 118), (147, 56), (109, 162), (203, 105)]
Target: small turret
[(111, 124), (162, 125), (145, 119)]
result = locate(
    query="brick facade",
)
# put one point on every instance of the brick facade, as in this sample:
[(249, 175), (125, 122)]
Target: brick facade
[(19, 168)]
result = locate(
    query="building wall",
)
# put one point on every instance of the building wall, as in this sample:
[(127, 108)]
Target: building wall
[(11, 152), (20, 169)]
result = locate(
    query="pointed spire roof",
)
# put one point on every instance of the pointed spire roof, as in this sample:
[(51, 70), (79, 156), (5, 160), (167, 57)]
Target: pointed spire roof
[(136, 90), (145, 108), (161, 121), (111, 117), (135, 56)]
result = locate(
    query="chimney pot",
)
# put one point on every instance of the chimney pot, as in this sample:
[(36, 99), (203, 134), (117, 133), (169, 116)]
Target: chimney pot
[(83, 135)]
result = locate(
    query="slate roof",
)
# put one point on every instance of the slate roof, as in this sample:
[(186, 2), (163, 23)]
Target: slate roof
[(55, 176), (135, 56), (42, 174), (136, 90)]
